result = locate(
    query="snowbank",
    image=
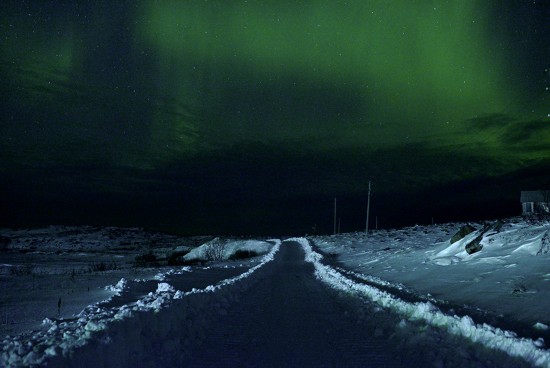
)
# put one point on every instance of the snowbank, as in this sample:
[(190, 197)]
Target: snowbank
[(102, 325), (508, 277), (491, 337), (512, 239)]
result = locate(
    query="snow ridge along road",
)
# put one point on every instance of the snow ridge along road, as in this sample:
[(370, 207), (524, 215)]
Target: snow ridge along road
[(124, 335), (486, 335)]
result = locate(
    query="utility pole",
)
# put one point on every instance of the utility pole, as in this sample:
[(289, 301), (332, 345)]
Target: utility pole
[(334, 216), (368, 210)]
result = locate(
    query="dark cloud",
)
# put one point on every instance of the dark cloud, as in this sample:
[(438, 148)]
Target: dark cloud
[(528, 134), (523, 136), (260, 188), (490, 121)]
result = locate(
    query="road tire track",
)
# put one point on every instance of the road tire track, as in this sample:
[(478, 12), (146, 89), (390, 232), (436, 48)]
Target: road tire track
[(291, 319)]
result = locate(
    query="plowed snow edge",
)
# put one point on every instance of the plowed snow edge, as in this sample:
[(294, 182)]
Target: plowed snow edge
[(484, 334), (144, 333)]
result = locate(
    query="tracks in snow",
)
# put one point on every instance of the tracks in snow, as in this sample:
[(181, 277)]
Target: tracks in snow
[(292, 320)]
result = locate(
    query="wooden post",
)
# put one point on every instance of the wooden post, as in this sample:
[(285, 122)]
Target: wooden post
[(334, 216), (368, 210)]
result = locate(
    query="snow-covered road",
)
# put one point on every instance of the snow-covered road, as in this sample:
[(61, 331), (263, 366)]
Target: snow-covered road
[(281, 315), (291, 319)]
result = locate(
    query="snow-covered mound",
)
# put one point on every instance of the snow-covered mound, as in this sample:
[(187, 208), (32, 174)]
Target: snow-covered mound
[(498, 242), (221, 250), (508, 275)]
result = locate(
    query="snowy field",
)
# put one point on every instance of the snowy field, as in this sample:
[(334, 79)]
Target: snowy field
[(509, 277), (41, 267), (56, 272), (108, 294)]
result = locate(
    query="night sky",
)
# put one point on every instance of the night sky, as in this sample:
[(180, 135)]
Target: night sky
[(250, 117)]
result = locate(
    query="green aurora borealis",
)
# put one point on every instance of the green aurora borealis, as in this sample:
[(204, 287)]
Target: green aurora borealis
[(205, 114)]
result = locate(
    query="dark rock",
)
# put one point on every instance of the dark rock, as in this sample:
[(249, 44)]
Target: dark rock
[(519, 289), (497, 226), (544, 244), (462, 232), (474, 246)]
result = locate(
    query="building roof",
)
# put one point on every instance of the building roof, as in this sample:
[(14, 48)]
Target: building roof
[(533, 196)]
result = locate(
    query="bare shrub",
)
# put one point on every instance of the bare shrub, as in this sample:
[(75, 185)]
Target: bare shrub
[(214, 250)]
